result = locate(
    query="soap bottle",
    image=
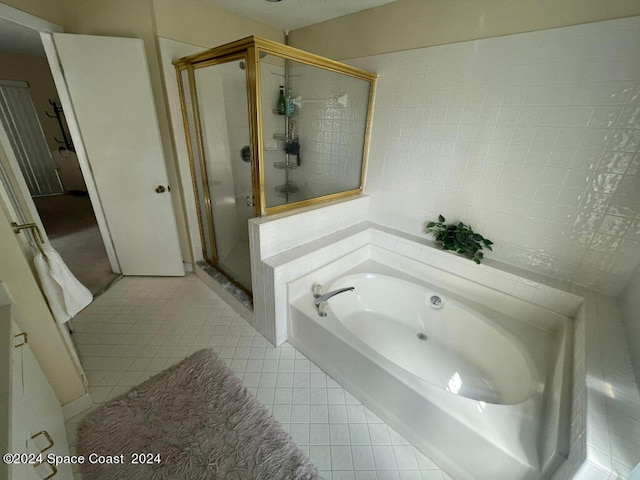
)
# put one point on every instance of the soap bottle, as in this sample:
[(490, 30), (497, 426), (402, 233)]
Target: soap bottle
[(290, 107), (282, 109)]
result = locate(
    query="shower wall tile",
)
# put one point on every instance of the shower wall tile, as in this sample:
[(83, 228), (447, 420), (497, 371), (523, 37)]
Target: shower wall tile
[(330, 123), (533, 139)]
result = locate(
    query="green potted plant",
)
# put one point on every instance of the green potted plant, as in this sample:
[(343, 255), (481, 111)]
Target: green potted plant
[(459, 238)]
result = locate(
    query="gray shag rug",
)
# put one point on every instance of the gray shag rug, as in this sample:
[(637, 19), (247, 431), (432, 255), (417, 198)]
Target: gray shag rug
[(201, 421)]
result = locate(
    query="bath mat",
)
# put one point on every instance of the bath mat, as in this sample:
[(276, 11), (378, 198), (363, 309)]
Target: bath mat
[(200, 420)]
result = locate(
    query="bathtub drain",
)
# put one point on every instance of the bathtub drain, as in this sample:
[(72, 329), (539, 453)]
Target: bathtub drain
[(422, 336)]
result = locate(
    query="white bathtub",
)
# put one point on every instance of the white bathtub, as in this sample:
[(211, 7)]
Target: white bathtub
[(483, 391)]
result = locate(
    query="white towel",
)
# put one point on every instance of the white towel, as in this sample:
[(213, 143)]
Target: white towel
[(65, 294)]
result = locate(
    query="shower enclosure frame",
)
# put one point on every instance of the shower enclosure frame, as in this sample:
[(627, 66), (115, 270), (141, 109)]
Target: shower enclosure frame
[(249, 50)]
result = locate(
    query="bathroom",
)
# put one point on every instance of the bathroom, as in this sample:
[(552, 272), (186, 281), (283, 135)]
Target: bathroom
[(532, 138)]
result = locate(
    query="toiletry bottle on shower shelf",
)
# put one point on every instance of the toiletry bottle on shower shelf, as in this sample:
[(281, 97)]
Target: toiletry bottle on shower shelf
[(282, 108), (290, 107)]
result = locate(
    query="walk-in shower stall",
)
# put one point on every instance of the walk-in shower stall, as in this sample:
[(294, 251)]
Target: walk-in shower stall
[(269, 128)]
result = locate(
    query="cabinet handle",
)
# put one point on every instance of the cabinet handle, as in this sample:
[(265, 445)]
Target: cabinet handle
[(48, 437), (53, 473), (54, 470), (24, 339)]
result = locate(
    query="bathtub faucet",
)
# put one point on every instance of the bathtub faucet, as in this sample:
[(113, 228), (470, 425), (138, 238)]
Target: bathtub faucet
[(321, 300)]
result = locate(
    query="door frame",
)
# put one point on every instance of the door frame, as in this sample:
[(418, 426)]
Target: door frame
[(46, 29)]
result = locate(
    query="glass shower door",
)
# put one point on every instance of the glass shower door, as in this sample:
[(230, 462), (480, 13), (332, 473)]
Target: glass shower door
[(219, 136)]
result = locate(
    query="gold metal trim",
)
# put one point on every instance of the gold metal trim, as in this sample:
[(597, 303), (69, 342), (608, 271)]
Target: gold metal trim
[(312, 201), (254, 100), (219, 51), (367, 133), (249, 49), (47, 436), (192, 167), (207, 214), (25, 339), (275, 48), (203, 166), (54, 472)]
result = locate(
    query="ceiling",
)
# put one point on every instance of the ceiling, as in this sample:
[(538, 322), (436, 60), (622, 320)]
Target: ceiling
[(19, 39), (293, 14)]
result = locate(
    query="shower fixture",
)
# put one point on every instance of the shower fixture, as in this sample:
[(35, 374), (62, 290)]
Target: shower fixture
[(303, 157)]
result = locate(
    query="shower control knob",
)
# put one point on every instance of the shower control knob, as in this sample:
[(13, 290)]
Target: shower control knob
[(160, 189)]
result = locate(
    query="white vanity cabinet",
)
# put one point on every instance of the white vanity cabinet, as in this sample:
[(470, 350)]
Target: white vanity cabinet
[(33, 417)]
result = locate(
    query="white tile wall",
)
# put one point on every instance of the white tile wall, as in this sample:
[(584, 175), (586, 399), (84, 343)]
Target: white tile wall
[(533, 139), (273, 235), (331, 134)]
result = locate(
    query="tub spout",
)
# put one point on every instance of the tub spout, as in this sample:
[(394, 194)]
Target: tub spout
[(327, 296)]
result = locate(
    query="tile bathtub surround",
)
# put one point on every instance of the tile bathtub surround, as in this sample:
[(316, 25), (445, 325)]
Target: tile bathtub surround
[(533, 139), (143, 325), (605, 397), (276, 234), (278, 270)]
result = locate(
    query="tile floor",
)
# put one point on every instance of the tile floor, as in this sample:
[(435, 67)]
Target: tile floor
[(143, 325)]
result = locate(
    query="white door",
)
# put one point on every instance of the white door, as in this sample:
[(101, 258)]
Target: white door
[(108, 84)]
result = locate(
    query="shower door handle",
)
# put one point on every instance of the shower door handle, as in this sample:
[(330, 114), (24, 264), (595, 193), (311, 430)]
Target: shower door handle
[(249, 200)]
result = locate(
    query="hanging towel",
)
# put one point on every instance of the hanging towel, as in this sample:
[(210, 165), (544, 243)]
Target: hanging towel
[(65, 294)]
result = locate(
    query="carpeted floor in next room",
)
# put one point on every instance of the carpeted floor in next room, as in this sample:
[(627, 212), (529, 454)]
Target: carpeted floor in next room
[(73, 231), (142, 325)]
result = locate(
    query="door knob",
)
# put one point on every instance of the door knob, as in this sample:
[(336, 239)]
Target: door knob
[(160, 189)]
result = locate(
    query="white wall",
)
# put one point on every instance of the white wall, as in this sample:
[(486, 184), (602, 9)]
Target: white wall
[(532, 139), (629, 303), (408, 24)]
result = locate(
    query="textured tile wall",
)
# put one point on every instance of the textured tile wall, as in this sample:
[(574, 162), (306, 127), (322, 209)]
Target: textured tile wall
[(533, 139), (331, 124)]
